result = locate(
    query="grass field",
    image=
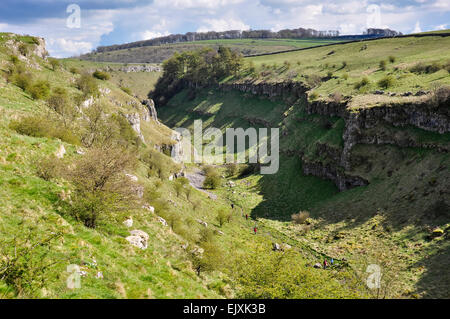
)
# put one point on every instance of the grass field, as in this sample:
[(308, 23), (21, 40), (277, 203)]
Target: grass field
[(339, 68), (157, 54)]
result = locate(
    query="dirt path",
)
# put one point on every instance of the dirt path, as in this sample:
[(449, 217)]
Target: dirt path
[(196, 179)]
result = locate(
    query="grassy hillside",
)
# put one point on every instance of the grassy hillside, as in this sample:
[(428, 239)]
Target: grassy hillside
[(405, 64), (157, 54)]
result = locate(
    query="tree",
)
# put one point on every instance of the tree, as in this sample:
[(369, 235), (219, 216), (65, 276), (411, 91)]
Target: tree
[(54, 63), (87, 85), (101, 186), (223, 216)]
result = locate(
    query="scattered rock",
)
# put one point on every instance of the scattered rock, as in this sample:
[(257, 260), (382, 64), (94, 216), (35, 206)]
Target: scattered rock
[(99, 275), (128, 223), (138, 239), (379, 92), (163, 221), (201, 222), (80, 151), (317, 265), (149, 208), (276, 247), (132, 177), (61, 151)]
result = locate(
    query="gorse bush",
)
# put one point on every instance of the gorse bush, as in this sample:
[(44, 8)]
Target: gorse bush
[(362, 83), (101, 75), (87, 85), (300, 218), (386, 82), (38, 126), (422, 67), (39, 90), (25, 261)]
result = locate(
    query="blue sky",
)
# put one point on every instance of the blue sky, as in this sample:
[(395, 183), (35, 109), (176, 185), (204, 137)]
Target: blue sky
[(105, 22)]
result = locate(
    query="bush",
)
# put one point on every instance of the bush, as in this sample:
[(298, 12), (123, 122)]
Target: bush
[(426, 68), (87, 85), (223, 216), (40, 90), (24, 262), (386, 82), (344, 64), (362, 83), (47, 167), (231, 169), (22, 80), (313, 80), (392, 59), (74, 70), (101, 75), (300, 217), (24, 49), (39, 126), (212, 181), (127, 90), (54, 63), (345, 76), (101, 186), (14, 59), (312, 96), (383, 65)]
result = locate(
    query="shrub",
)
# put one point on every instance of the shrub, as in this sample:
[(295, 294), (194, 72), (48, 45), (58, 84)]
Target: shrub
[(24, 49), (329, 74), (426, 68), (344, 64), (362, 83), (313, 96), (386, 82), (47, 167), (231, 169), (300, 217), (39, 126), (14, 59), (313, 80), (101, 75), (87, 85), (392, 59), (382, 65), (345, 76), (22, 80), (54, 63), (25, 262), (212, 181), (40, 90), (223, 216), (74, 70), (127, 90), (101, 186)]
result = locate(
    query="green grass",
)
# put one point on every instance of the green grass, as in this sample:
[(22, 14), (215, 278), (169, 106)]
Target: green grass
[(360, 63)]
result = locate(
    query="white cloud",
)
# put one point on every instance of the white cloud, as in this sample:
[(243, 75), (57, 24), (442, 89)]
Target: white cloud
[(62, 47), (149, 34), (417, 28), (222, 25), (441, 27)]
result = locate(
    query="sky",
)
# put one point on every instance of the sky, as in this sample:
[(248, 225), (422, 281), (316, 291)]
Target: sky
[(73, 27)]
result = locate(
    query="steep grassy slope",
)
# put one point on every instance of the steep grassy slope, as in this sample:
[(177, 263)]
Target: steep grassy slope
[(157, 54)]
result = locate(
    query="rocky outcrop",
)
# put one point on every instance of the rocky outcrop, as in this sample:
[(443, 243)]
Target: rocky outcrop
[(140, 68), (152, 114), (138, 238), (332, 172), (281, 89), (135, 122)]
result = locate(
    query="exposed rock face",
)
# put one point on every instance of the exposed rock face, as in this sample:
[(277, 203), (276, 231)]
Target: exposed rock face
[(140, 68), (333, 173), (138, 239), (135, 122), (151, 110), (293, 89), (39, 49)]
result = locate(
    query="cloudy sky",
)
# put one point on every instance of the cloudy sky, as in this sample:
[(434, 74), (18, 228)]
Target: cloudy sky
[(105, 22)]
